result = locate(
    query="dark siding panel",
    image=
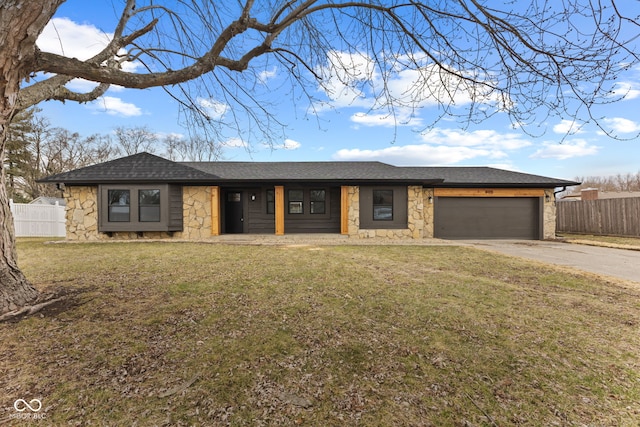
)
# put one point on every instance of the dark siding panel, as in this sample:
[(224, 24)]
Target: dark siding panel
[(258, 220), (175, 208), (400, 200), (308, 223), (170, 205), (487, 218)]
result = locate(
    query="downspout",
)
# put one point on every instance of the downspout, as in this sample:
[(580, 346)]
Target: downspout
[(559, 191)]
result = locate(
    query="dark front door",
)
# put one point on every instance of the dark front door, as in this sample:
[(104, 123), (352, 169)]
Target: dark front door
[(233, 213)]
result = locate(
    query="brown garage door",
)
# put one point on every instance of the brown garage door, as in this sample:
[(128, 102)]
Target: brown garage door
[(487, 218)]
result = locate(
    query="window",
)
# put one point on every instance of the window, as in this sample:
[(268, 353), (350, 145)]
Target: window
[(119, 205), (317, 201), (383, 205), (149, 205), (140, 208), (271, 201), (296, 201)]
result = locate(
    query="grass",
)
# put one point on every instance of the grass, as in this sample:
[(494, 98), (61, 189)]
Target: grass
[(204, 334), (613, 241)]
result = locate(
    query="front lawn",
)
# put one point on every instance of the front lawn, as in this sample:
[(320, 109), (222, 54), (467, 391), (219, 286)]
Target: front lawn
[(611, 241), (209, 334)]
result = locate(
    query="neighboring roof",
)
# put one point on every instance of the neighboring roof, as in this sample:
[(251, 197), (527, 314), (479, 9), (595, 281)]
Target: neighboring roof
[(605, 195), (145, 168), (617, 194), (44, 200)]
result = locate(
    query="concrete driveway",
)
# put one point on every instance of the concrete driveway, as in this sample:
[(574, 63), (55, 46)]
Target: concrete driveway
[(618, 263)]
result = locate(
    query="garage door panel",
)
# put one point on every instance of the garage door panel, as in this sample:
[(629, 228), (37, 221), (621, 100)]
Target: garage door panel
[(487, 218)]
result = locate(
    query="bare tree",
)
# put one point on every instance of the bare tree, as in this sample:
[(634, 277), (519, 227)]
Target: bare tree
[(132, 140), (36, 149), (64, 150), (172, 144), (626, 182), (195, 148), (525, 59)]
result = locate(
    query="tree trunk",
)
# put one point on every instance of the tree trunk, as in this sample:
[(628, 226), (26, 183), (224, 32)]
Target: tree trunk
[(15, 289), (22, 21)]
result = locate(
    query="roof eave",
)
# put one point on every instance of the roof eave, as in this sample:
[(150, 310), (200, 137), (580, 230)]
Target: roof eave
[(506, 185), (227, 182), (127, 181)]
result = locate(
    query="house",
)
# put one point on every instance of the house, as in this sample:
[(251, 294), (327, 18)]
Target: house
[(596, 194), (144, 195), (50, 201)]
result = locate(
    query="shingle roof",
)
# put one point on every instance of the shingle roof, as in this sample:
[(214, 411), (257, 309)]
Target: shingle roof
[(311, 172), (458, 176), (141, 167), (146, 168)]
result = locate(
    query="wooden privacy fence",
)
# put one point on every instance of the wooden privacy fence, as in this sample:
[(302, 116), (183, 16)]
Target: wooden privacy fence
[(616, 217), (38, 220)]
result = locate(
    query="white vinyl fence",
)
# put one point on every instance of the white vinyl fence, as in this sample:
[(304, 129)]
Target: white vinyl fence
[(38, 220)]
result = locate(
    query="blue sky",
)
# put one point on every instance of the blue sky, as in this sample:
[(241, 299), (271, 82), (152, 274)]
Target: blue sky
[(349, 130)]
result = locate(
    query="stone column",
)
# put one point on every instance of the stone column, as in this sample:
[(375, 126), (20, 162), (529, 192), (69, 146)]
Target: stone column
[(428, 200), (549, 214), (81, 212)]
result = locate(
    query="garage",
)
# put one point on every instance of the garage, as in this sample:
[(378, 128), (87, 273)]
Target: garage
[(487, 218)]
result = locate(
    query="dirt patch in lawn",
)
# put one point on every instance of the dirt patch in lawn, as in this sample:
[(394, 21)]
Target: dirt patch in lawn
[(52, 301)]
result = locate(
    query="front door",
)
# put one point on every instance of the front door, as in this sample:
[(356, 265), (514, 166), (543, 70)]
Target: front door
[(233, 213)]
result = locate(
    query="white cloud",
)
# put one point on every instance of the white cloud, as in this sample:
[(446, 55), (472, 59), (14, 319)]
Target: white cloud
[(83, 86), (402, 118), (214, 109), (621, 125), (342, 73), (567, 127), (266, 75), (484, 138), (170, 135), (505, 166), (443, 147), (288, 144), (175, 135), (629, 90), (65, 37), (566, 150), (348, 80), (114, 106), (82, 41), (430, 85), (413, 155)]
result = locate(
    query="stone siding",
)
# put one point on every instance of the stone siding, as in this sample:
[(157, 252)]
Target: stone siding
[(353, 200), (427, 203), (81, 213), (82, 216), (549, 214), (415, 221), (196, 214)]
